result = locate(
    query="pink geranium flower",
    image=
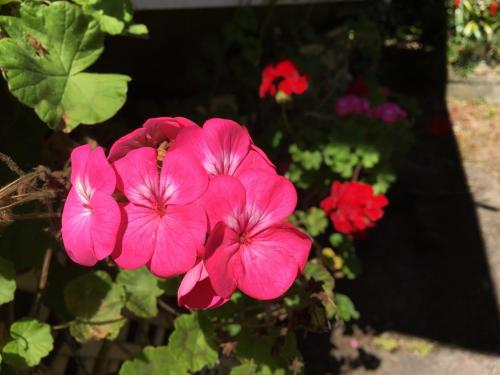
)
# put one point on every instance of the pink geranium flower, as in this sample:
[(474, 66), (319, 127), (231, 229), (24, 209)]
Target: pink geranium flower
[(152, 133), (351, 105), (91, 217), (389, 112), (250, 246), (196, 291), (223, 147), (163, 226)]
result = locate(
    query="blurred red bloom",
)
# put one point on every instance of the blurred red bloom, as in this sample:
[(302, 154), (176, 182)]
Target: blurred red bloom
[(457, 3), (353, 207), (493, 8), (286, 75), (440, 125), (358, 87)]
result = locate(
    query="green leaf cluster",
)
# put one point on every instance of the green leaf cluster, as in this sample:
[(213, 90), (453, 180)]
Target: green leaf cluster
[(96, 303), (7, 281), (314, 220), (344, 247), (274, 354), (190, 349), (30, 342), (316, 271), (44, 56), (345, 308), (114, 16)]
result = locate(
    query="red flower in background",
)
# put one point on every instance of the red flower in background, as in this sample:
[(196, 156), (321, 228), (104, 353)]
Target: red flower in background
[(440, 125), (353, 207), (286, 76), (493, 8), (457, 3), (358, 87)]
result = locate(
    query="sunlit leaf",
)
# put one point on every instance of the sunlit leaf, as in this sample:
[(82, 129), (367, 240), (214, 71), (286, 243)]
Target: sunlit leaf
[(31, 341), (154, 361), (7, 281), (141, 290), (96, 303), (43, 59)]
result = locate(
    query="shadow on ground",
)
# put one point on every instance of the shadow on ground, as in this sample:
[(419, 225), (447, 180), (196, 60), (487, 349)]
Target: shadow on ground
[(425, 266)]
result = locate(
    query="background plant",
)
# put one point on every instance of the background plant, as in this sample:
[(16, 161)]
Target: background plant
[(474, 33), (71, 306)]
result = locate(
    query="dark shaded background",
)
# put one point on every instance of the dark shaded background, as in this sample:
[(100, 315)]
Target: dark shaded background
[(425, 268)]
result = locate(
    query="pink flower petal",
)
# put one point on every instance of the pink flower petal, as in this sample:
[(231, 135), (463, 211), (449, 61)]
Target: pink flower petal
[(76, 231), (224, 201), (256, 159), (182, 179), (137, 241), (194, 218), (189, 280), (289, 238), (269, 264), (151, 134), (106, 220), (222, 246), (89, 231), (91, 171), (196, 292), (269, 198), (228, 143), (176, 248), (138, 176)]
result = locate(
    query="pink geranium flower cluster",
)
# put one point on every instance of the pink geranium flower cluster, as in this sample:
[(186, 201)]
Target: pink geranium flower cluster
[(351, 105), (182, 199)]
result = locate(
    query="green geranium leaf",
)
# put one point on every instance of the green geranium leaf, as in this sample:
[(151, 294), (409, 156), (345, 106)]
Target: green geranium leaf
[(247, 367), (192, 342), (7, 281), (369, 155), (141, 290), (154, 361), (96, 303), (345, 308), (138, 29), (114, 16), (31, 341), (43, 59), (316, 271), (315, 221), (384, 180), (273, 354), (169, 286)]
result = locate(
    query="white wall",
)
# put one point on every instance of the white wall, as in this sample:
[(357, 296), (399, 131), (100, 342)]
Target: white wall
[(184, 4)]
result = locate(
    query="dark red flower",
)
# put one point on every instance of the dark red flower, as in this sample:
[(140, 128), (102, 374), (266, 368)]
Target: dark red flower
[(286, 76), (358, 87), (493, 8), (353, 207), (440, 125)]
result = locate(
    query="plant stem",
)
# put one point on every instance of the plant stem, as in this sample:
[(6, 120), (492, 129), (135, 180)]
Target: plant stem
[(285, 119), (356, 173), (101, 361), (32, 215), (42, 283), (165, 306)]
